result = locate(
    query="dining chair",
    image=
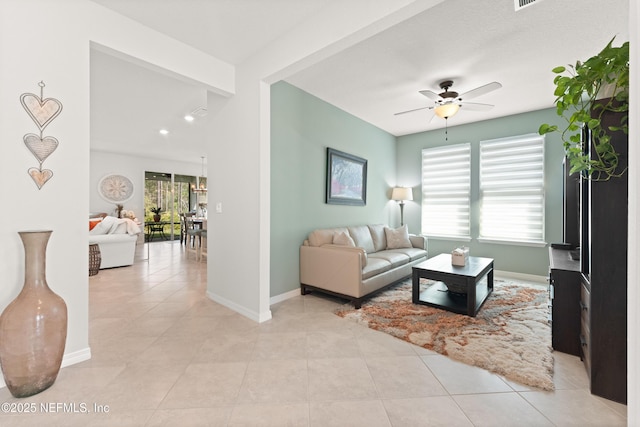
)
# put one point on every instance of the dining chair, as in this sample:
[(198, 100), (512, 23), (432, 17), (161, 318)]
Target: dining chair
[(202, 246), (192, 236), (183, 229), (183, 226)]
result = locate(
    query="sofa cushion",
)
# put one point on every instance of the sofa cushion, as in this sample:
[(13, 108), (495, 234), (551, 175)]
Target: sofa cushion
[(113, 225), (119, 229), (412, 253), (398, 238), (342, 238), (378, 236), (374, 267), (104, 226), (323, 236), (394, 258), (362, 236)]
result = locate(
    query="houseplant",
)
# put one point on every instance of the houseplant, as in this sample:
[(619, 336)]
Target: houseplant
[(585, 92), (156, 213)]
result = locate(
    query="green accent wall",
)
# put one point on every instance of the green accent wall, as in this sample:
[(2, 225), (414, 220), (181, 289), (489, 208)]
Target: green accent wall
[(512, 258), (302, 127)]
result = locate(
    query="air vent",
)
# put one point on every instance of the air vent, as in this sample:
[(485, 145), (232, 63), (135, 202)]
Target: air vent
[(521, 4), (199, 112)]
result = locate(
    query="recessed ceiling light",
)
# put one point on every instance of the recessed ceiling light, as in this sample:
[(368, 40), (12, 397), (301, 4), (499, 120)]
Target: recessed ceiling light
[(188, 118), (164, 132)]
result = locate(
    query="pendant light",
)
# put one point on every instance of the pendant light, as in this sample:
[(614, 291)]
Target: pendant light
[(200, 187)]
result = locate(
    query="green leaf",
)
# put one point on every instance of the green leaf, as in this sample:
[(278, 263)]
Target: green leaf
[(593, 123), (575, 90), (546, 128)]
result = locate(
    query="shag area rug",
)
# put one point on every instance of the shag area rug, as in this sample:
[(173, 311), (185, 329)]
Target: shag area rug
[(509, 336)]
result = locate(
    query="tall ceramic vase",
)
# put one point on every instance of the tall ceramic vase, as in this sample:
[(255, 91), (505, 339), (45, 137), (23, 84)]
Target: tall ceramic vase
[(33, 327)]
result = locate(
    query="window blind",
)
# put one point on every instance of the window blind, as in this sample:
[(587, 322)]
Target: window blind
[(512, 189), (446, 187)]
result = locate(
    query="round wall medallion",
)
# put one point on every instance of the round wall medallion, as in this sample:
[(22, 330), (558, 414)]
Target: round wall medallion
[(115, 188)]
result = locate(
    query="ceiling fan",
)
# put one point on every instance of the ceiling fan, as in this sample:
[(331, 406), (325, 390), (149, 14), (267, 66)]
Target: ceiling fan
[(447, 103)]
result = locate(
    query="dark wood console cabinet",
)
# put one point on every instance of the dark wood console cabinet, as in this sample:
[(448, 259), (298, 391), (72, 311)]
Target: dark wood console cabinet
[(604, 294), (604, 282), (564, 295)]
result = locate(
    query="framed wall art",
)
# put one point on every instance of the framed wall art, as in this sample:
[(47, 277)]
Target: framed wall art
[(346, 179)]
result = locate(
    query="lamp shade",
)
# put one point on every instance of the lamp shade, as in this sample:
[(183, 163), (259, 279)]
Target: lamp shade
[(402, 193), (447, 110)]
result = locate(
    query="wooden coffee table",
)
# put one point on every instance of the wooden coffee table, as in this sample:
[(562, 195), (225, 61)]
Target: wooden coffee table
[(472, 284)]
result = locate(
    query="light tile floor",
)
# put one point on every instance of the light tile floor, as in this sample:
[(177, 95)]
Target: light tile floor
[(163, 354)]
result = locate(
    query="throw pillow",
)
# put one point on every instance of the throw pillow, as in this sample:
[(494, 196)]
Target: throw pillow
[(379, 239), (93, 222), (343, 238), (104, 226), (397, 238), (362, 238)]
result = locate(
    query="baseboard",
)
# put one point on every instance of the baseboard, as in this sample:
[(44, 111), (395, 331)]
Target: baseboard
[(506, 274), (253, 315), (76, 357), (285, 296), (521, 276), (67, 360)]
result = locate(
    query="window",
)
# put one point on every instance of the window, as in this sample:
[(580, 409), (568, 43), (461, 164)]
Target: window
[(446, 187), (512, 189)]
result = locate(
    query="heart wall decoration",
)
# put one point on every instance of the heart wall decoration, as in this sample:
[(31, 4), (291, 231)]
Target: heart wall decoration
[(42, 111), (41, 148), (40, 176)]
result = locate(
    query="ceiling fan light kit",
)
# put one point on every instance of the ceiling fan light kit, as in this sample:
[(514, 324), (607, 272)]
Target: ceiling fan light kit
[(447, 110), (449, 102)]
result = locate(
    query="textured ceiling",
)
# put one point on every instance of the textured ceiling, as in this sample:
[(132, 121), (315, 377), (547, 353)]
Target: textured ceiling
[(470, 42)]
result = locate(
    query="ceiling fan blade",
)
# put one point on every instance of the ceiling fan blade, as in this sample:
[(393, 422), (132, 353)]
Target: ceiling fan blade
[(411, 111), (474, 106), (489, 87), (430, 94)]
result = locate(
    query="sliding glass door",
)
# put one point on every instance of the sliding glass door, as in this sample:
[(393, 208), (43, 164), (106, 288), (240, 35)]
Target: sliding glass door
[(171, 195)]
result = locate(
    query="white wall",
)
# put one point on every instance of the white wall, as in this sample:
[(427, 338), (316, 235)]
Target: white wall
[(133, 167), (28, 55), (43, 40), (244, 125)]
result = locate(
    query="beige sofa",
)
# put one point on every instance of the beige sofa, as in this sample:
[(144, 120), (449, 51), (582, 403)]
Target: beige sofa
[(355, 262)]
